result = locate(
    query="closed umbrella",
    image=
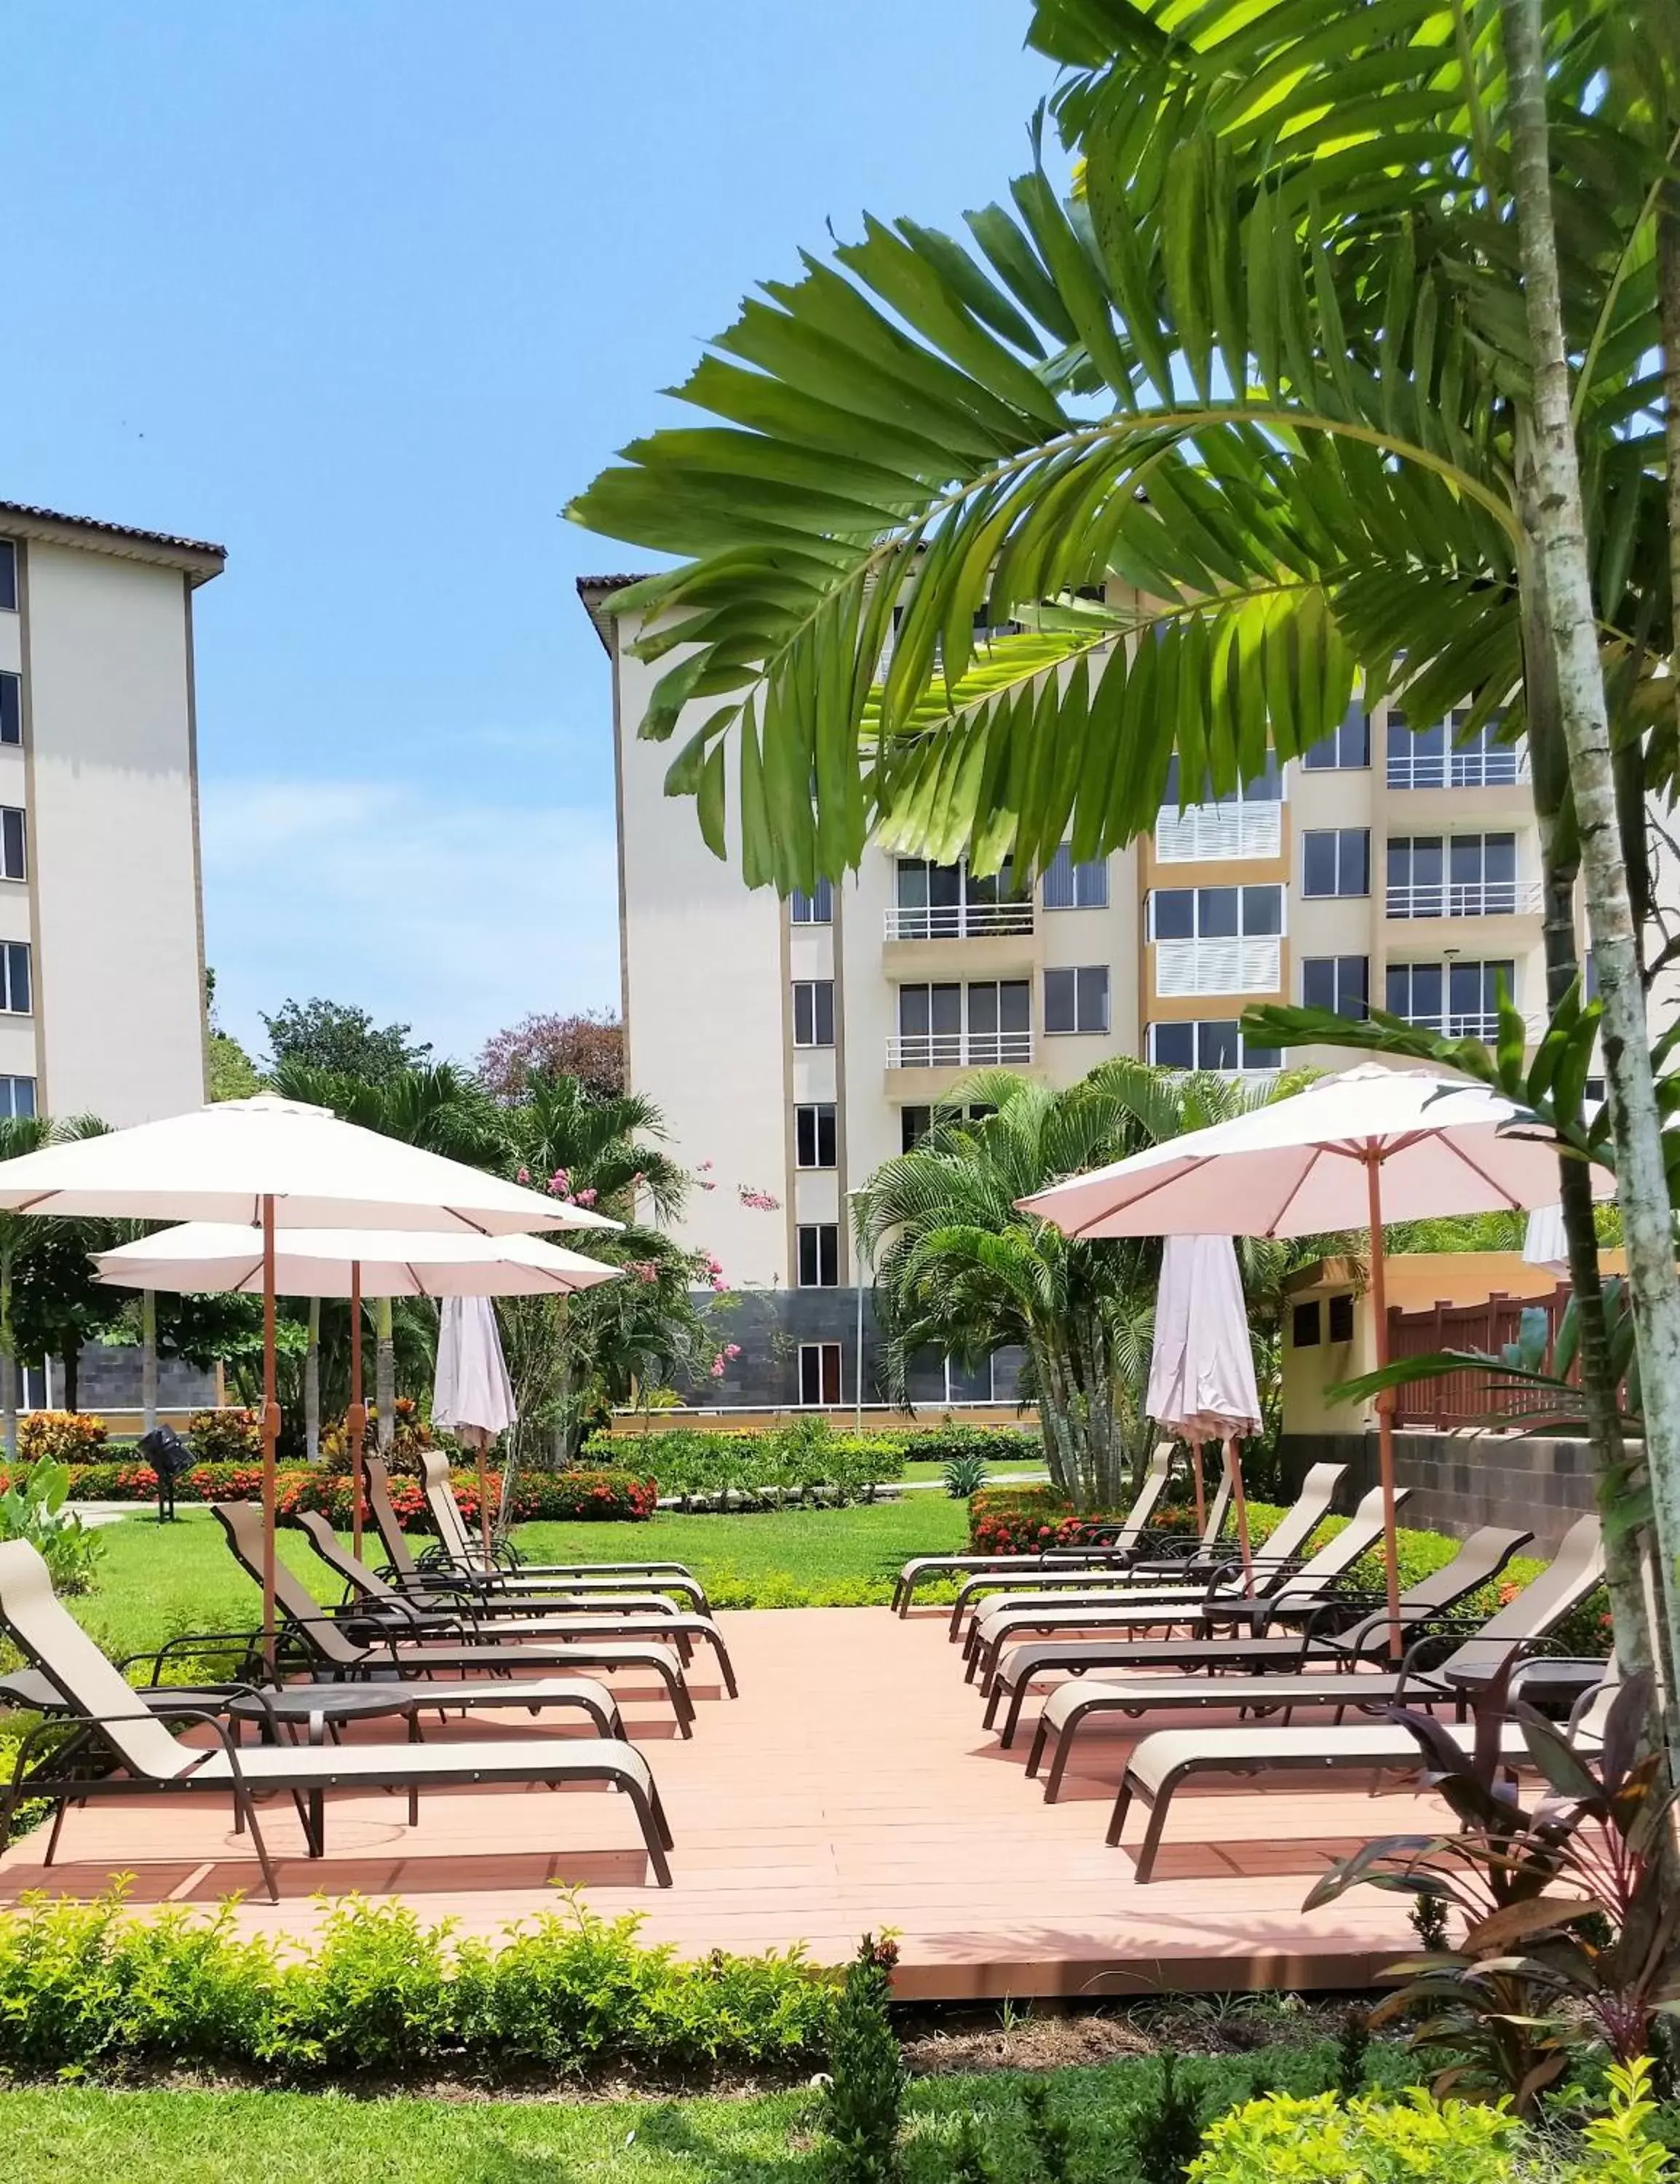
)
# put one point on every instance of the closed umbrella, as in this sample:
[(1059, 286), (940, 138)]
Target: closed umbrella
[(1201, 1385), (1321, 1161), (472, 1396), (351, 1262), (1543, 1242), (272, 1163)]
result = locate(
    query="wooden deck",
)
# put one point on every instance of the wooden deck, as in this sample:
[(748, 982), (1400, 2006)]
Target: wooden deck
[(851, 1786)]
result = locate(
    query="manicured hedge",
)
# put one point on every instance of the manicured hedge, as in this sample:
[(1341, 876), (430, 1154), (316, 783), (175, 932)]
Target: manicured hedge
[(544, 1496)]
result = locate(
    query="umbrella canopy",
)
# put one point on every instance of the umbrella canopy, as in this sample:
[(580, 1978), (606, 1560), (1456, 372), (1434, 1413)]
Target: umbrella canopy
[(1202, 1367), (472, 1393), (1543, 1242), (1298, 1167), (323, 1263), (220, 1162)]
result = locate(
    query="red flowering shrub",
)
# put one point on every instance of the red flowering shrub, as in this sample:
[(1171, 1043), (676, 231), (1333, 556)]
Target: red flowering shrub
[(538, 1496)]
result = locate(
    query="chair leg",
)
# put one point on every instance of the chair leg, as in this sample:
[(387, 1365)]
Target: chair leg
[(725, 1664), (1053, 1780), (991, 1705), (243, 1797), (650, 1833), (58, 1812), (1122, 1806), (1152, 1835), (1040, 1738), (1017, 1701)]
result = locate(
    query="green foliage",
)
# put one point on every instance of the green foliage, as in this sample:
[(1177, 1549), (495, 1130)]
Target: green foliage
[(378, 1991), (342, 1040), (34, 1509), (805, 1459), (864, 2098), (1353, 2052), (1166, 2130), (971, 2164), (1621, 2148), (1048, 2133), (964, 1476), (225, 1436), (64, 1437), (1316, 2140)]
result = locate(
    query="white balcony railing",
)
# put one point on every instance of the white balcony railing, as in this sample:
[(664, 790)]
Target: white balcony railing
[(1464, 899), (1484, 1028), (1184, 967), (958, 1050), (1498, 765), (959, 921), (1207, 831)]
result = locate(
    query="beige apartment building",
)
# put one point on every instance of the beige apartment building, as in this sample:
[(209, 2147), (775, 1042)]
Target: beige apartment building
[(102, 959), (794, 1046)]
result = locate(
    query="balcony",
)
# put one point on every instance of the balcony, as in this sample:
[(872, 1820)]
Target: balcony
[(1499, 765), (1206, 833), (959, 921), (957, 1050), (1250, 965), (1484, 1028), (1465, 899)]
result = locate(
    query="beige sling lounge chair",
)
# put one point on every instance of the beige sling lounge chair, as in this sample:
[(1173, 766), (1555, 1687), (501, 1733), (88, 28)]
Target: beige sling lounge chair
[(116, 1746)]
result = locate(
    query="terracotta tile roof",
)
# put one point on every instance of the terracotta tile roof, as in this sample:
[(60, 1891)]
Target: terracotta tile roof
[(27, 517)]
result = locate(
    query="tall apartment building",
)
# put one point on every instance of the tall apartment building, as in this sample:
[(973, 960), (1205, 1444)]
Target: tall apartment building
[(793, 1047), (102, 959)]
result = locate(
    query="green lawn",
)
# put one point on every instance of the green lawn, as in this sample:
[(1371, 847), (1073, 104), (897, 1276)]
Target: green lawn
[(77, 2136), (161, 1581)]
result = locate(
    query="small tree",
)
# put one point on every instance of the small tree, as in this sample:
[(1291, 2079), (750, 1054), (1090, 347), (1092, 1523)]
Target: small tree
[(865, 2095), (343, 1040), (588, 1046)]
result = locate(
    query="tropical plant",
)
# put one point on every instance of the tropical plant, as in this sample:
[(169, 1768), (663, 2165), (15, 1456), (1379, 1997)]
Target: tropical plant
[(964, 1476), (961, 1270), (864, 2098), (1570, 1927), (1372, 2140), (33, 1509)]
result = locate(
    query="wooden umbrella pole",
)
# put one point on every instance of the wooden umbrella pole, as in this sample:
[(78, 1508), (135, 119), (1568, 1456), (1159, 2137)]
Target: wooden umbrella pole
[(1385, 1400), (484, 1502), (1233, 1457), (356, 1417), (271, 1431), (1196, 1474)]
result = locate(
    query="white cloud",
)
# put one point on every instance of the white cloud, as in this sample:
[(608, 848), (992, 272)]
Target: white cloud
[(414, 901)]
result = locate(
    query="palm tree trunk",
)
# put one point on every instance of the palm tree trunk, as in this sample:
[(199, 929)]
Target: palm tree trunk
[(1668, 305), (1642, 1183), (385, 1370), (148, 1360), (312, 1385)]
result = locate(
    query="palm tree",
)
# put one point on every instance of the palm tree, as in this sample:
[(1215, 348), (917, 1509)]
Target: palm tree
[(960, 1270), (438, 1107)]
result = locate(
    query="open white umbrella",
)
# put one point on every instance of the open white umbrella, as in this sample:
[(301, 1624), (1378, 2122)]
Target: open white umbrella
[(1201, 1385), (274, 1163), (203, 1256), (1321, 1161), (472, 1396)]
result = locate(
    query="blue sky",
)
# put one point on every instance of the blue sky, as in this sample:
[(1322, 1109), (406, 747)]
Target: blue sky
[(366, 289)]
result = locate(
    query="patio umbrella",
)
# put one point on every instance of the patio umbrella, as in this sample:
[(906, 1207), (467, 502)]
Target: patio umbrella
[(354, 1263), (1201, 1385), (472, 1396), (272, 1163), (1543, 1242), (1321, 1161)]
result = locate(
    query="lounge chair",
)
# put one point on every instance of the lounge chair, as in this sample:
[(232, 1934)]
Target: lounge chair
[(413, 1576), (1483, 1555), (329, 1646), (1128, 1536), (464, 1556), (1282, 1586), (118, 1747), (1163, 1762)]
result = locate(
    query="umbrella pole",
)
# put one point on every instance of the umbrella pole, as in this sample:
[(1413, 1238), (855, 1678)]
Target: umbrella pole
[(1201, 1499), (270, 1430), (1385, 1401), (484, 1502), (356, 1417), (1233, 1457)]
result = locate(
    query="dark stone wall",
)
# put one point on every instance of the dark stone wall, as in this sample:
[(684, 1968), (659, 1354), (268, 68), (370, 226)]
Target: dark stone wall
[(769, 1325), (107, 1377), (1461, 1481)]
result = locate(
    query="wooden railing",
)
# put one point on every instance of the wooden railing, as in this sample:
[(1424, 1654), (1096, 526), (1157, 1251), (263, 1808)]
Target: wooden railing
[(1472, 1397)]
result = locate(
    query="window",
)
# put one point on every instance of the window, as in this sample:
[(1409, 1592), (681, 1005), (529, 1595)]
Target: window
[(1215, 913), (1441, 755), (14, 985), (1337, 861), (816, 909), (820, 1372), (1267, 787), (12, 866), (813, 1012), (819, 1254), (1452, 875), (1460, 1000), (932, 1377), (1305, 1326), (11, 709), (17, 1096), (8, 575), (914, 1125), (1213, 1043), (813, 1136), (1076, 1000), (1346, 748), (1068, 886), (1342, 1318), (949, 902), (950, 1026), (1342, 982)]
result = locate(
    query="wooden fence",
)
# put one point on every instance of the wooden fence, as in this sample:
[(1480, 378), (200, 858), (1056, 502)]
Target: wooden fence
[(1472, 1398)]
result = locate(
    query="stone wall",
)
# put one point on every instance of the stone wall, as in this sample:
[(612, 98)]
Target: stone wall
[(107, 1377), (1461, 1481)]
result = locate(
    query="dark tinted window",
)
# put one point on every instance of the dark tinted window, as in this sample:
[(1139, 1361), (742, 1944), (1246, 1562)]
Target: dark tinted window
[(1303, 1325)]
